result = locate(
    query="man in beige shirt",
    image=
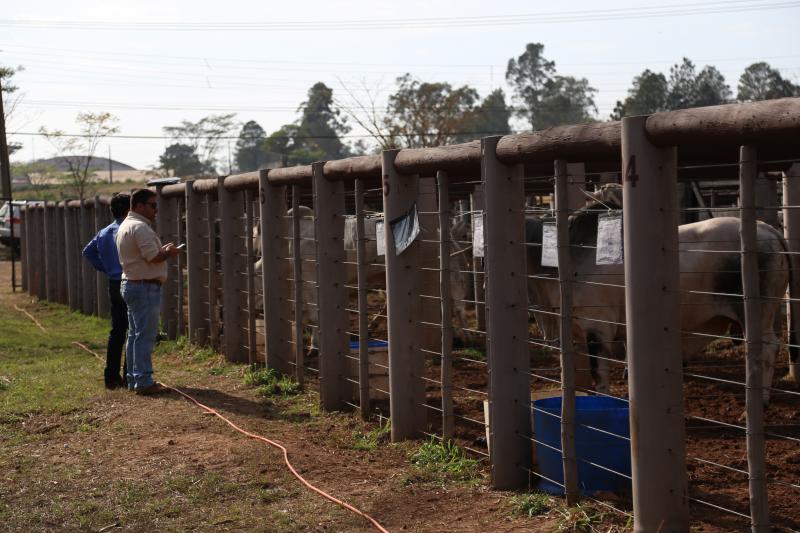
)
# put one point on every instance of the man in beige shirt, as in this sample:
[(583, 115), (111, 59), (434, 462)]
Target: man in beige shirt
[(144, 269)]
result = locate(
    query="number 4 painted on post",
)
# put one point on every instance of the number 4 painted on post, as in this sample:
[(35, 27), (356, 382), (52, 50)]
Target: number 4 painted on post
[(630, 171)]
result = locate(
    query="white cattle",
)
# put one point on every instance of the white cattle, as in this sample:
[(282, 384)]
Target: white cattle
[(710, 273)]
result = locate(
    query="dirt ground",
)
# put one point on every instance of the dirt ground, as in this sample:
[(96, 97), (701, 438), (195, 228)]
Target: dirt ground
[(122, 461), (242, 486)]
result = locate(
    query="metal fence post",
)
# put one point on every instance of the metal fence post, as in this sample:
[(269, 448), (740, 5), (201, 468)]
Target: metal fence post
[(334, 341), (198, 259), (754, 399), (406, 362), (506, 319), (564, 203), (275, 288), (575, 192), (445, 245), (652, 297), (229, 227), (363, 306)]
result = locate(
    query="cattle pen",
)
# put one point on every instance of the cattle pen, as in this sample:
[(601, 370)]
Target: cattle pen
[(414, 283)]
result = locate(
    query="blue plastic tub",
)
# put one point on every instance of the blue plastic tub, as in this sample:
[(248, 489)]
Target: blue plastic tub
[(610, 451), (370, 344)]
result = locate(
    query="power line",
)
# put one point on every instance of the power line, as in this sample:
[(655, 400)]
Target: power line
[(201, 60), (667, 10)]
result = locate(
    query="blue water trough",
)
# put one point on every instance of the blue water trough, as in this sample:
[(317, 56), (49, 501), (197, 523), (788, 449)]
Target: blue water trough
[(602, 444)]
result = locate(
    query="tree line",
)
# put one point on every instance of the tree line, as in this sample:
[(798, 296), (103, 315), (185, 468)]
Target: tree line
[(422, 114)]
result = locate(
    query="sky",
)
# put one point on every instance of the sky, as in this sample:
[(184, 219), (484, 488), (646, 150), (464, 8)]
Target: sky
[(155, 63)]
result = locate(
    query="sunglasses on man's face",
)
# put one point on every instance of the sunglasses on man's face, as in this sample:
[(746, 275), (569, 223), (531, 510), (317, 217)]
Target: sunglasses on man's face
[(153, 205)]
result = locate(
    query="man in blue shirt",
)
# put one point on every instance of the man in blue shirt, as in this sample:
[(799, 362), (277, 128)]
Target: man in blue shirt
[(101, 252)]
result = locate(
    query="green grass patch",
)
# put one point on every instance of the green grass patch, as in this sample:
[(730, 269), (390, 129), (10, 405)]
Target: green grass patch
[(476, 354), (534, 504), (271, 383), (43, 372), (370, 440), (441, 462)]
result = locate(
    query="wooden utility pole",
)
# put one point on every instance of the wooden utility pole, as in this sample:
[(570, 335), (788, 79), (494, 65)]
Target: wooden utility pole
[(5, 179)]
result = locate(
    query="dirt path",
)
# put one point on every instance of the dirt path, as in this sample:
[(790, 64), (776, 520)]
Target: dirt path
[(118, 460)]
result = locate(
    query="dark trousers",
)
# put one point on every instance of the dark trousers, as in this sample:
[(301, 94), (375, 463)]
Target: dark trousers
[(116, 338)]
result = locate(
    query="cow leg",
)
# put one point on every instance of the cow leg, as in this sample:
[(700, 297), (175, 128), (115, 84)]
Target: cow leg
[(601, 372), (769, 348)]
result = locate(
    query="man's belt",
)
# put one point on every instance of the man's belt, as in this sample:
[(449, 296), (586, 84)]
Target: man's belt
[(150, 281)]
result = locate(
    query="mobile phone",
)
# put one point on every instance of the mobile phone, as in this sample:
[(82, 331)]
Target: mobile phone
[(181, 246)]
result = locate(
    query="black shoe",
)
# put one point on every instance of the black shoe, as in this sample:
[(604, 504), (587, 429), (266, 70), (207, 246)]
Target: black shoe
[(111, 385)]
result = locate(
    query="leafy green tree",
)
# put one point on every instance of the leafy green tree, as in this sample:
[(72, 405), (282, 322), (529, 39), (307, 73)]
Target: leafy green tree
[(204, 136), (687, 89), (489, 118), (710, 88), (544, 98), (250, 154), (760, 81), (567, 100), (77, 152), (181, 160), (647, 95), (652, 92), (425, 114), (528, 75), (321, 124), (316, 134)]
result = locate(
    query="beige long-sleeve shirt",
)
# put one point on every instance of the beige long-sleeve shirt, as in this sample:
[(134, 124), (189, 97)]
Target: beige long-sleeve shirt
[(137, 245)]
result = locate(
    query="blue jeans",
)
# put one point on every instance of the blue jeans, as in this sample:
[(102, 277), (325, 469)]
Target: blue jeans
[(144, 313)]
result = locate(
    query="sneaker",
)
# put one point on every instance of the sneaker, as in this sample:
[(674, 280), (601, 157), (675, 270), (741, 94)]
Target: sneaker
[(152, 390)]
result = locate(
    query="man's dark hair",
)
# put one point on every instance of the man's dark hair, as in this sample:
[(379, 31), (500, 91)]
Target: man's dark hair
[(120, 204), (141, 196)]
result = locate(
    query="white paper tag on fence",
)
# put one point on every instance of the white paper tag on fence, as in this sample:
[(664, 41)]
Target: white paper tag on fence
[(380, 237), (609, 239), (350, 233), (549, 245), (477, 234)]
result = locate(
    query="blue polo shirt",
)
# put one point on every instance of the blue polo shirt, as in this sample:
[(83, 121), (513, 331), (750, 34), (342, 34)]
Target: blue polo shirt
[(101, 252)]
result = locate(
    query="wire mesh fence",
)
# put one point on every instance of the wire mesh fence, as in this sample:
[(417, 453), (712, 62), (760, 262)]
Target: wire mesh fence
[(637, 349)]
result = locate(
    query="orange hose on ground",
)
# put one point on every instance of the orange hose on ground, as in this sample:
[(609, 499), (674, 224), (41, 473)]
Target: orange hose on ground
[(18, 308), (285, 451)]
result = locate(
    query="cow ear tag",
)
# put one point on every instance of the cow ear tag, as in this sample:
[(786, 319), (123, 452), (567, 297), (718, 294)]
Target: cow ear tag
[(549, 245), (609, 239)]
